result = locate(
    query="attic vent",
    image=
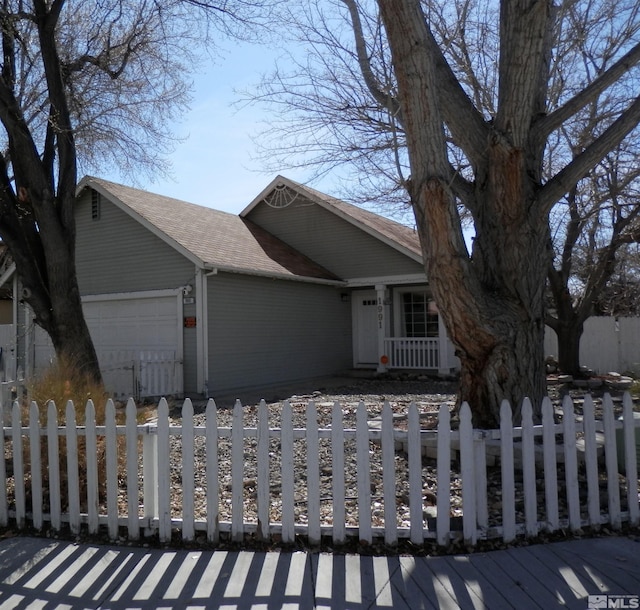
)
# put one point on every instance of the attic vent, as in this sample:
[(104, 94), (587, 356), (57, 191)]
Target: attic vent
[(281, 196), (95, 205)]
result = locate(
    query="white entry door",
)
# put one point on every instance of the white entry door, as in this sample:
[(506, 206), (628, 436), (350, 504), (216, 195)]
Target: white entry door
[(365, 327)]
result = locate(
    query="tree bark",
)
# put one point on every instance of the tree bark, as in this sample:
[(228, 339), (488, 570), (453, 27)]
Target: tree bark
[(492, 302), (37, 202), (569, 335)]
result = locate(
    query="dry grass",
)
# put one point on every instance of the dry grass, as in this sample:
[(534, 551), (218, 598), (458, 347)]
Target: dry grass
[(58, 385)]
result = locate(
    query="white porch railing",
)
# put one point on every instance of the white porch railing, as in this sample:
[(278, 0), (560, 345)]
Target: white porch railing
[(412, 352), (270, 481)]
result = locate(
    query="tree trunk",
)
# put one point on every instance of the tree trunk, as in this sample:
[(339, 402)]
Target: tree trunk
[(50, 287), (569, 336), (492, 301), (44, 255), (493, 309)]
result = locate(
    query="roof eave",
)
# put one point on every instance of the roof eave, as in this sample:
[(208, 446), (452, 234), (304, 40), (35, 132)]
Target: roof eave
[(214, 268)]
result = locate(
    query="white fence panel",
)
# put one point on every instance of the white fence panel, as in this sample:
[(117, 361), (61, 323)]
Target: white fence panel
[(266, 499), (607, 344)]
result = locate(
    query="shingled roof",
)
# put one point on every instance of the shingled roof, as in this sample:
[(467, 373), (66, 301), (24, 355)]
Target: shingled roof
[(210, 237)]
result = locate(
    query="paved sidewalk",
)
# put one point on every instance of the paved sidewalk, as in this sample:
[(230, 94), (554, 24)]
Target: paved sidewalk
[(39, 573)]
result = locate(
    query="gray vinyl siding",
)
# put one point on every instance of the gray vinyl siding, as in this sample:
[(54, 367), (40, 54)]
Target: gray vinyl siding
[(337, 245), (264, 332), (117, 254)]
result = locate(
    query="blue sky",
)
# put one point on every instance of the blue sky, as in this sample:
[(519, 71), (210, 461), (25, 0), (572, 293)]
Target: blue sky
[(215, 165)]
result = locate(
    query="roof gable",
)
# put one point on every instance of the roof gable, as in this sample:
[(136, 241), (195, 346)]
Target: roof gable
[(208, 237), (394, 234)]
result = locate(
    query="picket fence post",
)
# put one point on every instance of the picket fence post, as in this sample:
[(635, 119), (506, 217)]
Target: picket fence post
[(611, 462), (415, 476), (591, 462), (213, 491), (550, 466), (529, 470), (364, 474), (53, 458), (337, 474), (18, 466), (91, 444), (507, 472), (313, 475), (467, 474), (237, 474), (164, 473), (131, 422), (73, 483), (571, 462), (630, 435), (287, 475), (188, 472), (389, 476), (111, 448), (263, 501), (150, 476), (443, 501), (35, 454)]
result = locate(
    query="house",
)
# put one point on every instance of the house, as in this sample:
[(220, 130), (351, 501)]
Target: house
[(188, 300)]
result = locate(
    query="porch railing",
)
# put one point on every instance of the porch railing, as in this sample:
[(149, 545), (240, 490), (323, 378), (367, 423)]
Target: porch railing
[(412, 352)]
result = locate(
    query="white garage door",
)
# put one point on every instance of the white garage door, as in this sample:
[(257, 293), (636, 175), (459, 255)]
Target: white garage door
[(139, 345)]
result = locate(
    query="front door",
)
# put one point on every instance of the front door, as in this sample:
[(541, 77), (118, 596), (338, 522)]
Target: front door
[(366, 327)]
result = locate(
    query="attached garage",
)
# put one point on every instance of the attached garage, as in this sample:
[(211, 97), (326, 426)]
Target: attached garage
[(138, 338)]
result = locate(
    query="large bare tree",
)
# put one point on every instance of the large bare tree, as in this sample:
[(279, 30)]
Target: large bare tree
[(475, 140), (593, 262), (95, 81), (595, 222)]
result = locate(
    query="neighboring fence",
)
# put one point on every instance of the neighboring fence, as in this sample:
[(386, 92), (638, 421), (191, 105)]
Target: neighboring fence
[(130, 469), (607, 344)]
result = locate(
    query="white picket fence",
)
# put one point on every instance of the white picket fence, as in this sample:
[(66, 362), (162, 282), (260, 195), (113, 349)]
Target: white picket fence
[(134, 491), (141, 373)]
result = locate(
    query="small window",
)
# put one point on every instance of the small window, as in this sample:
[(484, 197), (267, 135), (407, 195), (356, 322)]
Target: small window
[(95, 205)]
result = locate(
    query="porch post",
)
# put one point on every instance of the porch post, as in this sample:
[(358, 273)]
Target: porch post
[(381, 290)]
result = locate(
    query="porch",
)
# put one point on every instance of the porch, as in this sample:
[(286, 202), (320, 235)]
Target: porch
[(399, 327)]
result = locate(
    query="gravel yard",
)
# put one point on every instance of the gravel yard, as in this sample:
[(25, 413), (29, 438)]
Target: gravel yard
[(428, 394)]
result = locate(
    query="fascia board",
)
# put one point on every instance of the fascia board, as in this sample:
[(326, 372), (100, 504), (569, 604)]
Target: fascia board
[(274, 276)]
